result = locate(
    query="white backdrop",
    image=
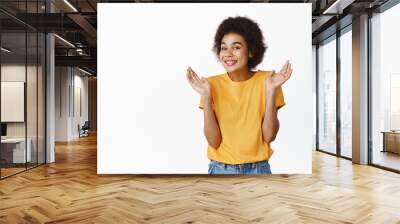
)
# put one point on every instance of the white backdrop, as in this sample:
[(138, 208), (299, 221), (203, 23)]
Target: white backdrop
[(148, 116)]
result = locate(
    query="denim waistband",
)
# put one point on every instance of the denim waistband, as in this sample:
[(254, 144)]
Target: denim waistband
[(242, 165)]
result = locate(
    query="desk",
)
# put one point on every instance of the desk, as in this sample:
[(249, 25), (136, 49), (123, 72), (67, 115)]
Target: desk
[(15, 148), (391, 141)]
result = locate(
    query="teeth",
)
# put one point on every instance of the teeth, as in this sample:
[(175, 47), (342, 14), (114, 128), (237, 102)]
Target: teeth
[(230, 62)]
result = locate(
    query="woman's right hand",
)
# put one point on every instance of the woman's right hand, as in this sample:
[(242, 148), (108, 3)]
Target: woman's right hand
[(202, 86)]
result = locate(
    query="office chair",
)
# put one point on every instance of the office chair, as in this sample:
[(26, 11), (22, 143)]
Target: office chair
[(84, 130)]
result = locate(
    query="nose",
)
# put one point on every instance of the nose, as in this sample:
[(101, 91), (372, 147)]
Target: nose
[(228, 52)]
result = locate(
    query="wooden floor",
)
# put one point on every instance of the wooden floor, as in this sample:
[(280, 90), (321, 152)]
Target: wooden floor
[(5, 172), (70, 191)]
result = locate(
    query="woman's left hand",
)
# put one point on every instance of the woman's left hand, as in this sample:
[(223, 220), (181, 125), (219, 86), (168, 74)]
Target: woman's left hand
[(275, 81)]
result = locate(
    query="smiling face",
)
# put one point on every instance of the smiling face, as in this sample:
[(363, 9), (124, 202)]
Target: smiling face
[(234, 53)]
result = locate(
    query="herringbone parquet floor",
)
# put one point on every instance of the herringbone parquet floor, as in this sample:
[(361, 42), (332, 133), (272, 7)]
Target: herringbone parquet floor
[(70, 191)]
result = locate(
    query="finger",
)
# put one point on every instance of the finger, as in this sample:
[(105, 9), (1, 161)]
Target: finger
[(288, 68), (287, 65), (194, 75), (289, 73), (284, 68), (189, 75), (190, 79)]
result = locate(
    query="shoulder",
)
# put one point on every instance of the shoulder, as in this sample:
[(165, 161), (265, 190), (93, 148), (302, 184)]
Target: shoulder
[(264, 73), (219, 76), (216, 78)]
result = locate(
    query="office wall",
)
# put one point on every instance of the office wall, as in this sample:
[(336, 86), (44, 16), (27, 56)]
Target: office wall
[(71, 102), (15, 72), (62, 80), (80, 105)]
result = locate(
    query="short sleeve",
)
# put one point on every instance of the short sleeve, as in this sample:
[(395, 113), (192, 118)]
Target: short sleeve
[(279, 99)]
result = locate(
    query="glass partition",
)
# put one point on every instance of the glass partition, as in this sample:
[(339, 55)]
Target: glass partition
[(327, 96), (385, 93), (22, 78), (13, 105), (346, 94)]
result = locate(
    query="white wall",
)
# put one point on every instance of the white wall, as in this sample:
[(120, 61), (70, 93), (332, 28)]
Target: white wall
[(68, 81), (81, 82)]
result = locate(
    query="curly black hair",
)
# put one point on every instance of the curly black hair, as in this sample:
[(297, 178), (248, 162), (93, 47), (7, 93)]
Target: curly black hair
[(251, 33)]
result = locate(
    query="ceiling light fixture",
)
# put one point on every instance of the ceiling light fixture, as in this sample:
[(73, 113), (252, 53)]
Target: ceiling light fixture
[(84, 71), (5, 49), (70, 5), (337, 7), (64, 40)]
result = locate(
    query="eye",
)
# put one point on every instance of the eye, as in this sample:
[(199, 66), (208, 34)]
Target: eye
[(223, 48), (236, 48)]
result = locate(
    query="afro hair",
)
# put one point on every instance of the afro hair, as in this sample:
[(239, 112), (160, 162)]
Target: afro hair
[(251, 33)]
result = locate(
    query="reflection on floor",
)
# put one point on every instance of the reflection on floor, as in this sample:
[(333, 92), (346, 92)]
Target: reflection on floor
[(11, 169), (386, 159)]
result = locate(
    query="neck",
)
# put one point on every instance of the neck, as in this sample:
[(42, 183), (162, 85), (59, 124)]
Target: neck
[(240, 75)]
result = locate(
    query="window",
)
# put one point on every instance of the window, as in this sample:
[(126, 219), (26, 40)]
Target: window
[(327, 97), (385, 89), (346, 94)]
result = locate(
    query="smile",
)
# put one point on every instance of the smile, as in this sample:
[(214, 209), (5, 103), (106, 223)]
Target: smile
[(230, 62)]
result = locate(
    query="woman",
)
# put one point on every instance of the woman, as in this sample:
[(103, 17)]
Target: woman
[(240, 106)]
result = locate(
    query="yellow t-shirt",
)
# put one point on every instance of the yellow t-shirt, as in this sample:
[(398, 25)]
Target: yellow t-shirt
[(239, 108)]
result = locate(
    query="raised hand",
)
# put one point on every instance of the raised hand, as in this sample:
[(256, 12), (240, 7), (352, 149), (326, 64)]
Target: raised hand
[(202, 86), (278, 79)]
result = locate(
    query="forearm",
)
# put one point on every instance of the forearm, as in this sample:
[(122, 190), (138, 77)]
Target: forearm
[(211, 127), (270, 124)]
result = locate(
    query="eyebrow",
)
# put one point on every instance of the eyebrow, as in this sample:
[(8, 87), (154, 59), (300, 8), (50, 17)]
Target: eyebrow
[(233, 43)]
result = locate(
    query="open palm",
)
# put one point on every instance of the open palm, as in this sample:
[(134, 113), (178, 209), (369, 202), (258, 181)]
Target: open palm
[(202, 86), (278, 79)]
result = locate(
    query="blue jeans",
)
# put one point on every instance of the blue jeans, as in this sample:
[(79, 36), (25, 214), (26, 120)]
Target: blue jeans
[(261, 167)]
